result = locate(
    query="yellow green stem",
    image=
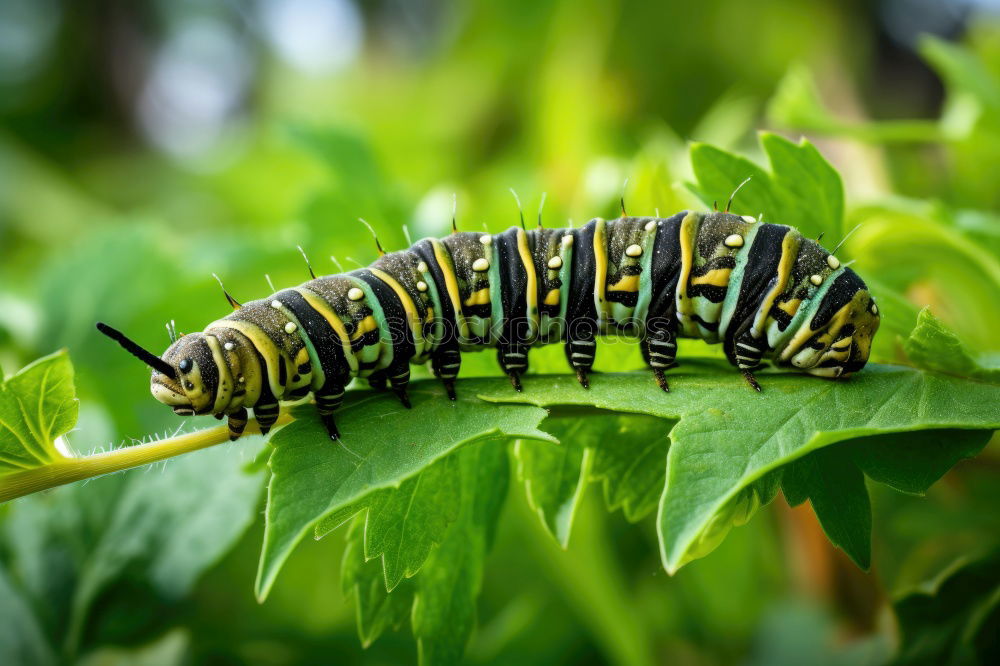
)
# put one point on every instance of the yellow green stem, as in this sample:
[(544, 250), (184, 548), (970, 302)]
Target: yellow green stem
[(68, 470)]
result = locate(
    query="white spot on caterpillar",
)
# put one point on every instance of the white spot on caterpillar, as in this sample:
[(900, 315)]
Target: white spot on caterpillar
[(290, 327), (555, 262), (816, 279), (241, 379), (276, 304), (567, 240), (650, 226), (833, 261), (229, 346), (421, 286), (874, 309), (733, 240), (486, 239), (633, 250), (748, 219), (480, 265), (355, 294), (422, 267)]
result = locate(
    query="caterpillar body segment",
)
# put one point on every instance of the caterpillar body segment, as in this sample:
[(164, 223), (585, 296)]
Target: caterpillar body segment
[(761, 290)]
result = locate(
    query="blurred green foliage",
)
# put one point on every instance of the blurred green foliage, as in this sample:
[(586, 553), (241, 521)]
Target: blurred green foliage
[(100, 220)]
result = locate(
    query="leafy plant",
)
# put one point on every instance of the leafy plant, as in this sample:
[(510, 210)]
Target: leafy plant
[(421, 497)]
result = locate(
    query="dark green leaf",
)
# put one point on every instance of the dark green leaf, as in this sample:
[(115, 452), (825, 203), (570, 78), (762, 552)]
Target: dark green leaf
[(835, 487), (404, 523), (377, 608), (728, 436), (554, 476), (313, 477), (953, 620), (444, 610)]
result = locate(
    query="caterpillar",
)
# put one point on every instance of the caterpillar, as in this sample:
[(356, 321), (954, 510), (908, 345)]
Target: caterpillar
[(761, 290)]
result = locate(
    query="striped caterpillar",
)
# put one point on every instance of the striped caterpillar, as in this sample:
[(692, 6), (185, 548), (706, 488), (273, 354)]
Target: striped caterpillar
[(761, 290)]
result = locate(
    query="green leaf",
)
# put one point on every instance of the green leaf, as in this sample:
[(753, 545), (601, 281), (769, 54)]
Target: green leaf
[(377, 608), (835, 487), (631, 463), (954, 619), (801, 189), (22, 640), (403, 524), (554, 476), (961, 70), (934, 346), (911, 462), (162, 528), (382, 446), (444, 608), (728, 437), (37, 405)]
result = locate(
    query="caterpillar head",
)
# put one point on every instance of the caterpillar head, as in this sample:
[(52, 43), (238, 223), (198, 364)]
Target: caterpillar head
[(186, 377), (837, 339)]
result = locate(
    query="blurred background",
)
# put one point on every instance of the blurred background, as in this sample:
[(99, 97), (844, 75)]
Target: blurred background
[(146, 145)]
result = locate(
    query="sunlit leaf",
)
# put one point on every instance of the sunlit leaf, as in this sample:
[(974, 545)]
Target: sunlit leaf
[(37, 405)]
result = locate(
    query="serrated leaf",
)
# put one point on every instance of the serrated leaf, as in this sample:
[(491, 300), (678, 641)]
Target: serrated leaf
[(631, 463), (835, 487), (911, 462), (313, 477), (801, 189), (727, 436), (444, 608), (376, 608), (952, 620), (934, 346), (404, 523), (37, 405), (554, 476)]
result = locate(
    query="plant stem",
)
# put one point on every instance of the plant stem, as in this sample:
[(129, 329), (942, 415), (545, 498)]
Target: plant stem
[(69, 470)]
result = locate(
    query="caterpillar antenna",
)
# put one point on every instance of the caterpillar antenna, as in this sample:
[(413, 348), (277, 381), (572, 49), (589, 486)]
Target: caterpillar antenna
[(134, 348)]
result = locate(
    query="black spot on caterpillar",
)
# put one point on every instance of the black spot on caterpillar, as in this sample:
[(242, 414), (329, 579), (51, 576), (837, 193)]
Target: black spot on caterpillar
[(761, 290)]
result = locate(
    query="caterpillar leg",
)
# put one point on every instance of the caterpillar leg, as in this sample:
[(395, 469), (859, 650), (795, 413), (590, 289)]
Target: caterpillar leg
[(580, 350), (329, 398), (266, 415), (378, 380), (445, 365), (747, 354), (514, 361), (399, 380), (659, 348), (237, 423)]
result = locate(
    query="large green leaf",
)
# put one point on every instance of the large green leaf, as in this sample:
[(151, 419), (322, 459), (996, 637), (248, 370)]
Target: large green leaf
[(954, 619), (382, 446), (801, 189), (728, 437), (37, 405), (162, 530)]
